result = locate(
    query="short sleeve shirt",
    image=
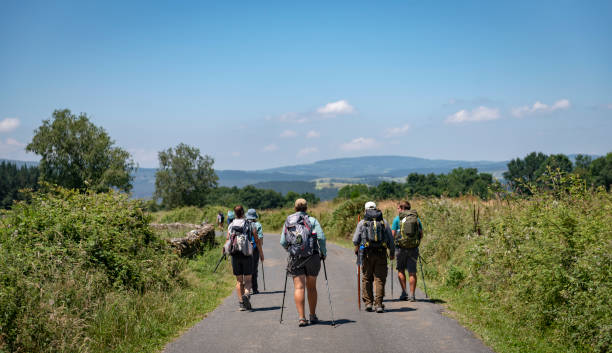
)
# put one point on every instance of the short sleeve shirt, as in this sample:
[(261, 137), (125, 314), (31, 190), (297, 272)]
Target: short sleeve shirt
[(396, 223)]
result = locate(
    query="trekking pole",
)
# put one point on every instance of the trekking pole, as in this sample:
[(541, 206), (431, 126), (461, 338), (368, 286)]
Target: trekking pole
[(284, 292), (263, 274), (219, 262), (329, 294), (391, 279), (423, 276)]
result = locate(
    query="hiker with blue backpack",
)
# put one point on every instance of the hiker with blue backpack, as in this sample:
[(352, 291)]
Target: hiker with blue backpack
[(241, 234), (407, 231), (251, 215), (372, 240), (304, 240)]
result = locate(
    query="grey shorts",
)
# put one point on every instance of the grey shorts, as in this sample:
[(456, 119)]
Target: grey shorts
[(407, 259), (309, 267)]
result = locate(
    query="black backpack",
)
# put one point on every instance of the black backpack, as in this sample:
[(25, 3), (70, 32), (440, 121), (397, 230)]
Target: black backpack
[(373, 229)]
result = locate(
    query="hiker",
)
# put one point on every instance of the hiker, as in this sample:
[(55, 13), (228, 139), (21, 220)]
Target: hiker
[(230, 217), (241, 234), (220, 219), (407, 231), (373, 238), (303, 238), (251, 215)]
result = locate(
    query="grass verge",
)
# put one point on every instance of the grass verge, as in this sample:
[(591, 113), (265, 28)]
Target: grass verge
[(149, 322)]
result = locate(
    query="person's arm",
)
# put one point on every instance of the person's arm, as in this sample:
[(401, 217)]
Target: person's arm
[(390, 240), (357, 236), (320, 236), (283, 242), (260, 233), (258, 242), (395, 227)]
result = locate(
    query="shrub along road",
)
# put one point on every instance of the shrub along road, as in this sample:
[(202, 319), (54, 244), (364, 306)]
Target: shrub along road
[(405, 327)]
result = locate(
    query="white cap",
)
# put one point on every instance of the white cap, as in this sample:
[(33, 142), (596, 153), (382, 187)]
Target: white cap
[(370, 205)]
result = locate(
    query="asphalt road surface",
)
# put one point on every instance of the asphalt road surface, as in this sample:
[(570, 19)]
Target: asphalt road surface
[(404, 327)]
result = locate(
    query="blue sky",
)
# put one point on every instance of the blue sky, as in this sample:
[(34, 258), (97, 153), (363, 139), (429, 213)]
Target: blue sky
[(258, 85)]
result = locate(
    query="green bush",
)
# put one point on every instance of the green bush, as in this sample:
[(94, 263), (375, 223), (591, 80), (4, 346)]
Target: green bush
[(64, 257), (544, 262)]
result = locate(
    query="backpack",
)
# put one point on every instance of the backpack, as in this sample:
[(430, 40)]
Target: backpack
[(373, 230), (410, 231), (301, 242), (240, 234)]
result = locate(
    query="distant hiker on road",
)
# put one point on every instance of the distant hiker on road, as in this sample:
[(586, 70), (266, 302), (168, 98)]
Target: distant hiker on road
[(303, 238), (230, 217), (407, 230), (372, 239), (252, 216), (241, 235), (220, 218)]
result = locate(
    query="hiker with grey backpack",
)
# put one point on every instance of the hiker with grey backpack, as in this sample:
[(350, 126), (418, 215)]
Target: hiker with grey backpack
[(304, 240), (372, 240), (241, 234), (407, 231)]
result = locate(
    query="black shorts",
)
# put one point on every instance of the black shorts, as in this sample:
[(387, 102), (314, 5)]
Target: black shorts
[(242, 265), (407, 259), (305, 266)]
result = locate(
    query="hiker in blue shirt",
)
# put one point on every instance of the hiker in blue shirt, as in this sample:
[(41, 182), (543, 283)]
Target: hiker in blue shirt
[(407, 233), (303, 237), (251, 215)]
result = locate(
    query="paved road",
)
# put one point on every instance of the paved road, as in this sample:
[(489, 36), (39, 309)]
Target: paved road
[(405, 327)]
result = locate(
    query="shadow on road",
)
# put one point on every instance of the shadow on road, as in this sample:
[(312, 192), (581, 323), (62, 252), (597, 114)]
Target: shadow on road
[(270, 292), (399, 310), (435, 301), (268, 308), (338, 322)]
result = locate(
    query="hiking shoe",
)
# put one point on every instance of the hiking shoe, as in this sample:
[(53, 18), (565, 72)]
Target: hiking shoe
[(403, 296), (302, 322), (314, 319), (250, 291), (412, 298), (242, 308), (369, 307), (380, 309), (246, 302)]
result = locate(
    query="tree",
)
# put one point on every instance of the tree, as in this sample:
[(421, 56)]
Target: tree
[(521, 172), (77, 154), (12, 179), (601, 171), (583, 167), (184, 177)]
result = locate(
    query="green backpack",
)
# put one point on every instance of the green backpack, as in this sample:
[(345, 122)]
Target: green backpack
[(409, 235)]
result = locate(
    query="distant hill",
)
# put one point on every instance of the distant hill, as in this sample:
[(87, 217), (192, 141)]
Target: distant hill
[(301, 178)]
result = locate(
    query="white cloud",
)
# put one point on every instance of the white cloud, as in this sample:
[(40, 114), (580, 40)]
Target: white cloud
[(288, 133), (9, 124), (306, 151), (13, 149), (336, 108), (397, 131), (145, 158), (13, 142), (481, 113), (539, 107), (293, 118), (312, 134), (236, 154), (271, 147), (359, 143)]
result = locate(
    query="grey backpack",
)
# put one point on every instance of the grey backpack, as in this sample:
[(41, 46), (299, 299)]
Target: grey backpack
[(239, 242), (301, 241)]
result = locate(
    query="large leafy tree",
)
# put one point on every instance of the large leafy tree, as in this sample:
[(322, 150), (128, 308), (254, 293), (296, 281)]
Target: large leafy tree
[(523, 171), (185, 177), (77, 154), (601, 171)]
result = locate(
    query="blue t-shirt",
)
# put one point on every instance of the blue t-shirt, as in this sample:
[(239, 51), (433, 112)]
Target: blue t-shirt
[(396, 223)]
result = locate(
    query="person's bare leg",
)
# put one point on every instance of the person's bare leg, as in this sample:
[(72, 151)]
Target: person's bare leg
[(239, 287), (298, 294), (402, 280), (413, 283), (247, 283), (311, 286)]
